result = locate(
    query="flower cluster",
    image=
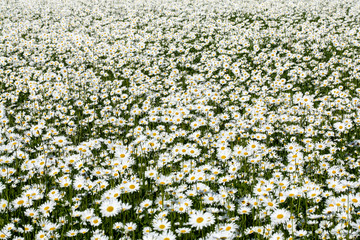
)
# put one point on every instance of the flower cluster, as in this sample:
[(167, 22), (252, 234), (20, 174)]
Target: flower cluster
[(179, 120)]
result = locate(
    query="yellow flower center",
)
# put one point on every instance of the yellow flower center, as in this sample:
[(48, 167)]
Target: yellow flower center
[(199, 220)]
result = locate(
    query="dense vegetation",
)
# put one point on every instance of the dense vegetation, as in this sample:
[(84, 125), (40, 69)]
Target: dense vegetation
[(179, 120)]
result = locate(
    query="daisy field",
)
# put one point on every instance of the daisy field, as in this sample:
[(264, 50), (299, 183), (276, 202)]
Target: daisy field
[(179, 119)]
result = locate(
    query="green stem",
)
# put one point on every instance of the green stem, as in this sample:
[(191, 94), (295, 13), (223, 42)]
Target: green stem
[(162, 196)]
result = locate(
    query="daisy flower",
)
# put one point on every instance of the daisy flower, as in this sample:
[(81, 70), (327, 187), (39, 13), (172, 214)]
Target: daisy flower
[(230, 227), (181, 208), (270, 204), (340, 127), (161, 224), (5, 234), (28, 228), (95, 221), (71, 233), (355, 200), (356, 225), (301, 233), (244, 210), (253, 146), (211, 198), (19, 202), (224, 154), (87, 214), (51, 227), (277, 236), (42, 235), (47, 207), (132, 187), (200, 220), (99, 235), (280, 216), (146, 230), (182, 230), (129, 227), (168, 235), (10, 227), (110, 208), (125, 206), (151, 236), (60, 141), (83, 230), (146, 203), (118, 226)]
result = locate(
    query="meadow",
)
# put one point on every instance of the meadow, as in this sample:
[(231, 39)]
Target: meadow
[(189, 120)]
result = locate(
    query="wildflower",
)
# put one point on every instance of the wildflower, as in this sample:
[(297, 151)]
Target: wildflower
[(95, 221), (146, 203), (253, 146), (83, 230), (280, 216), (229, 227), (42, 235), (28, 228), (271, 204), (168, 235), (49, 226), (339, 126), (79, 183), (161, 224), (182, 230), (132, 187), (79, 103), (354, 200), (99, 235), (62, 220), (47, 207), (125, 206), (71, 233), (277, 236), (244, 210), (356, 225), (110, 208), (129, 227), (87, 214), (54, 195), (20, 202), (224, 154), (301, 233), (60, 141), (292, 193), (200, 220), (211, 198), (258, 229), (5, 234), (181, 208), (151, 236), (3, 204), (146, 230)]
